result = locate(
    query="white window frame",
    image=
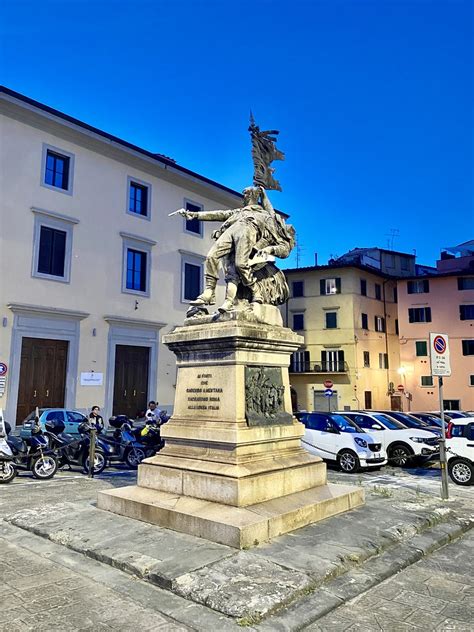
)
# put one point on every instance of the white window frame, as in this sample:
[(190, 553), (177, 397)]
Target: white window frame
[(147, 185), (379, 322), (200, 234), (57, 221), (426, 385), (192, 259), (331, 286), (142, 244), (60, 152)]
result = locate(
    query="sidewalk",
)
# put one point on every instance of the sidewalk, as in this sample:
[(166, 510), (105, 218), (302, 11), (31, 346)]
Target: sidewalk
[(285, 584), (437, 593)]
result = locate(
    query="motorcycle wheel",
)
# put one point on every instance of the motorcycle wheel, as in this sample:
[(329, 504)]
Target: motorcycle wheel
[(133, 457), (99, 462), (7, 472), (44, 467)]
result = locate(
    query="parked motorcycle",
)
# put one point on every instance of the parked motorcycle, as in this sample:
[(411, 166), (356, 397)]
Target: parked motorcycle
[(128, 444), (7, 468), (33, 453), (73, 450)]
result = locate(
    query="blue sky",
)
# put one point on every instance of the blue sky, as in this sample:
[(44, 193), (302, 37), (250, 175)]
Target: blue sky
[(373, 99)]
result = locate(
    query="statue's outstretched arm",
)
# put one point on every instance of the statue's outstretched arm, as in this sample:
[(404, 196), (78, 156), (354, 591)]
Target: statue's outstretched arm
[(207, 216), (267, 205)]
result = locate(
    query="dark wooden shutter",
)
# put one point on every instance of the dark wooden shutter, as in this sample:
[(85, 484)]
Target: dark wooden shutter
[(322, 286), (338, 285)]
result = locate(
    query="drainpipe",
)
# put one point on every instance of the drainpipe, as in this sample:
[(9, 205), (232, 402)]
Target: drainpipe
[(386, 330)]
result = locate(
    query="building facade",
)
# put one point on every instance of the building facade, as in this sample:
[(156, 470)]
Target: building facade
[(347, 313), (93, 272), (439, 302)]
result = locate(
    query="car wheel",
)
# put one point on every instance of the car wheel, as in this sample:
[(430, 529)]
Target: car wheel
[(399, 455), (134, 456), (461, 471), (348, 461), (44, 467), (7, 472), (99, 462)]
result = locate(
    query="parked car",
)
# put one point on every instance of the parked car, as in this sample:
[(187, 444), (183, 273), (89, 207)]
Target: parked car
[(411, 422), (335, 438), (454, 414), (460, 450), (403, 445), (71, 419), (429, 418)]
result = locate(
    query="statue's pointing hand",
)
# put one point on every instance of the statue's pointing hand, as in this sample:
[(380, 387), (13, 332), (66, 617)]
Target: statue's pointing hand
[(184, 213)]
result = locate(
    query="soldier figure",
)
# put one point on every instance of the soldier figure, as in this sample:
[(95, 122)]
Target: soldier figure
[(253, 229)]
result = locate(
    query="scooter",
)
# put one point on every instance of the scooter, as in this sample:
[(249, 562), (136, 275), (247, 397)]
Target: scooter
[(73, 451), (7, 468), (33, 453), (127, 444)]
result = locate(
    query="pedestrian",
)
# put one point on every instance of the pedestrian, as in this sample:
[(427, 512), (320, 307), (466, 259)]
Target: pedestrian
[(153, 413), (95, 418)]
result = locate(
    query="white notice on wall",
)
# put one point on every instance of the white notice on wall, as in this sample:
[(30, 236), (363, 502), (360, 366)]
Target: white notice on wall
[(92, 379)]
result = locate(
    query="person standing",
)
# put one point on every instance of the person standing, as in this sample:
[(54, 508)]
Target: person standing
[(153, 412), (95, 418)]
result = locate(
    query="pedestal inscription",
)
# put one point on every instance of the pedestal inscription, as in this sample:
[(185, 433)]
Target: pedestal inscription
[(206, 392), (265, 396)]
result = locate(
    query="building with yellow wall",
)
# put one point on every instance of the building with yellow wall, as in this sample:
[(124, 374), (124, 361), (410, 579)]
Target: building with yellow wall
[(347, 313)]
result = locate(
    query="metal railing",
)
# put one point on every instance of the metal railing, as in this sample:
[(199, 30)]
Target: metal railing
[(318, 367)]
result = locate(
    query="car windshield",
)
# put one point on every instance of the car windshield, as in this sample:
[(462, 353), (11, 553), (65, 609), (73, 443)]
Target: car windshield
[(429, 419), (344, 424), (408, 421), (388, 422)]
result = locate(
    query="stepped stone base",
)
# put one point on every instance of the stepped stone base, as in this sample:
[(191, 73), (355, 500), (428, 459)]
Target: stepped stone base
[(232, 470), (239, 527)]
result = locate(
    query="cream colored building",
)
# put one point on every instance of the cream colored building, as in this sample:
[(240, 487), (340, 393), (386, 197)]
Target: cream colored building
[(93, 272), (347, 313)]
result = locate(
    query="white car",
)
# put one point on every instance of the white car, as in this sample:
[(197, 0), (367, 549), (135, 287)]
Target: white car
[(335, 438), (403, 445), (460, 450)]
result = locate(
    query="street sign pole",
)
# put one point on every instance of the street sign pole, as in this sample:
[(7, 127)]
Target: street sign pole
[(441, 367), (443, 463)]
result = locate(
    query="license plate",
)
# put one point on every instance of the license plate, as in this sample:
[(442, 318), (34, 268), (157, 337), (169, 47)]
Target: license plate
[(377, 455)]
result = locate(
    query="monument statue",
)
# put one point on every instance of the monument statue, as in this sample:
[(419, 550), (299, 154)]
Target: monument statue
[(233, 469), (249, 239)]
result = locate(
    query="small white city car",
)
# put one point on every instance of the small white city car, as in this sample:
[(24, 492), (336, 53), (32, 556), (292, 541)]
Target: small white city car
[(404, 445), (460, 450), (336, 438)]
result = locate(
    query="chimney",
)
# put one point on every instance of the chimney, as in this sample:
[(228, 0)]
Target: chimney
[(315, 258)]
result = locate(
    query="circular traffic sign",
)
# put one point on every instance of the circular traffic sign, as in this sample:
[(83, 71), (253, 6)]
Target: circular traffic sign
[(328, 384), (3, 368), (328, 392), (439, 344), (400, 388)]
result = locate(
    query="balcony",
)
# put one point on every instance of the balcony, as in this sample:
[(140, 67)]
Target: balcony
[(318, 367)]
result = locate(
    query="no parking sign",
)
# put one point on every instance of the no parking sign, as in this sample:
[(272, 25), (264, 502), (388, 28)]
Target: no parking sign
[(439, 355)]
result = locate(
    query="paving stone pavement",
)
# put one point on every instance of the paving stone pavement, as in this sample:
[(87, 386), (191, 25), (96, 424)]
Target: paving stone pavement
[(436, 593)]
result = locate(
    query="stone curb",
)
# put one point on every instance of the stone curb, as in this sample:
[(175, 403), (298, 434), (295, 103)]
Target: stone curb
[(357, 581)]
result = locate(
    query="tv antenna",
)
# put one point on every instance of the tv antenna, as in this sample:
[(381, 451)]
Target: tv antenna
[(392, 235)]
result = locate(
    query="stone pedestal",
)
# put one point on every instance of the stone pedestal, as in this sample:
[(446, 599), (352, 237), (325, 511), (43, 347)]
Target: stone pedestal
[(233, 469)]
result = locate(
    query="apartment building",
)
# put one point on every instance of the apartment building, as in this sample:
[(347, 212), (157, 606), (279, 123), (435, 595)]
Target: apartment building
[(441, 301), (93, 271), (347, 313)]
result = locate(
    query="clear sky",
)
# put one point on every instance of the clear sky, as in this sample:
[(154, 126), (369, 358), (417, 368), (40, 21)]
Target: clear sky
[(373, 99)]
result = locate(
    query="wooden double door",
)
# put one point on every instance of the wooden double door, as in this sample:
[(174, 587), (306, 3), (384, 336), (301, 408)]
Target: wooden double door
[(42, 375), (131, 380)]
